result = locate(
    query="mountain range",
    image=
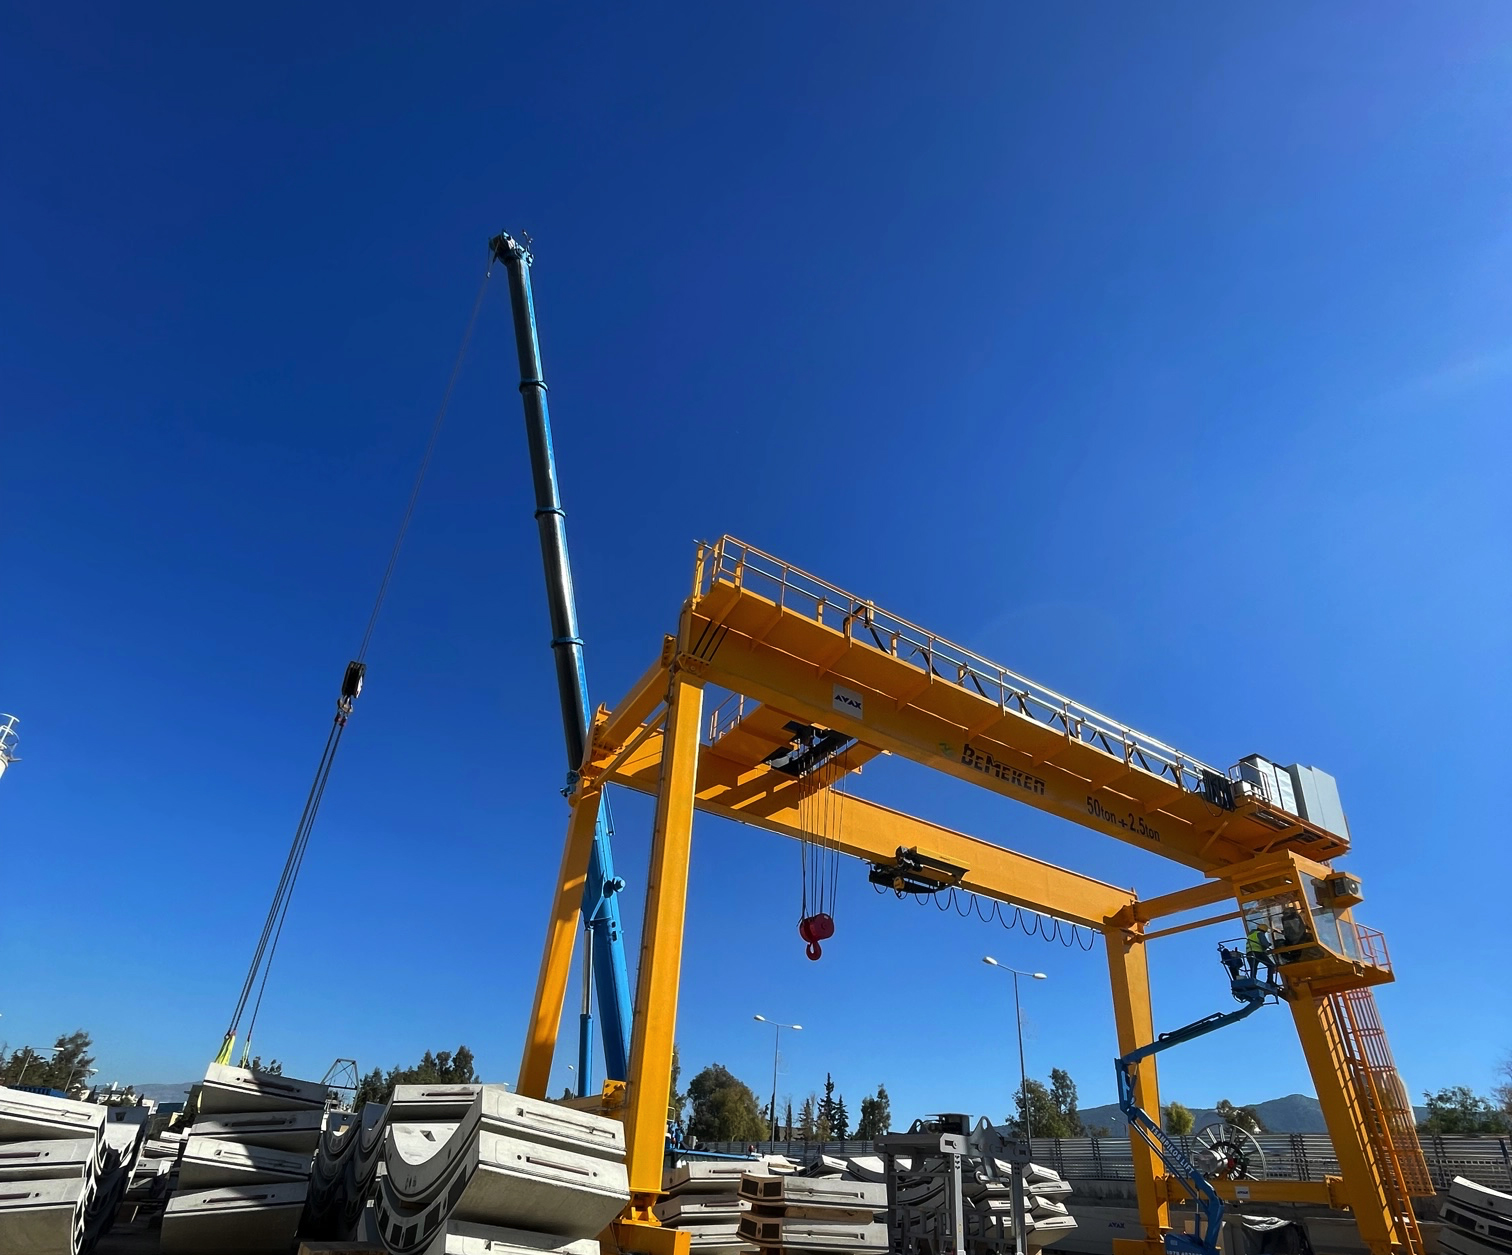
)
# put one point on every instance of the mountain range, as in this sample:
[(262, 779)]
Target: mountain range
[(1296, 1113)]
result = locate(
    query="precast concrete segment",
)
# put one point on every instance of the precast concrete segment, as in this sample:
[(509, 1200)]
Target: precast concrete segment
[(1481, 1197), (235, 1220), (807, 1235), (1457, 1242), (411, 1103), (465, 1238), (684, 1210), (797, 1190), (419, 1157), (28, 1117), (1050, 1230), (550, 1124), (227, 1090), (53, 1157), (122, 1141), (325, 1215), (1472, 1220), (211, 1162), (714, 1176), (44, 1217), (710, 1238), (820, 1214), (338, 1140), (501, 1180), (277, 1130), (867, 1168)]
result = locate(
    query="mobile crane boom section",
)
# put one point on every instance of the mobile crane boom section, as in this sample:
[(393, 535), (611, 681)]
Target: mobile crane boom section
[(600, 906), (759, 626)]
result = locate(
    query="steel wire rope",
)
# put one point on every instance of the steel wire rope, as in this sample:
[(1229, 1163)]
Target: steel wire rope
[(267, 946)]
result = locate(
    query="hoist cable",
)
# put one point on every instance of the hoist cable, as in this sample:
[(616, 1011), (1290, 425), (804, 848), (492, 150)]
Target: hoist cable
[(289, 870), (430, 448), (267, 944)]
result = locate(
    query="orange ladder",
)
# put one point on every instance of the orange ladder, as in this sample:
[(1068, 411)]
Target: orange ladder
[(1385, 1113)]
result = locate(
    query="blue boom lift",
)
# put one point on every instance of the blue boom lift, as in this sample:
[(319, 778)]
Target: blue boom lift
[(1254, 994), (604, 956)]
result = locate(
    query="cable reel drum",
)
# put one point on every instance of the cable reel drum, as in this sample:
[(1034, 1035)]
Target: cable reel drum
[(1227, 1152)]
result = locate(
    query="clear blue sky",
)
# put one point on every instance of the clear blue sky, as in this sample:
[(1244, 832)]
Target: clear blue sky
[(1163, 355)]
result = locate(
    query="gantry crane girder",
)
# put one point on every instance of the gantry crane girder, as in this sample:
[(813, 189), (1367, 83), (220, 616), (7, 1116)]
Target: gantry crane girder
[(798, 654)]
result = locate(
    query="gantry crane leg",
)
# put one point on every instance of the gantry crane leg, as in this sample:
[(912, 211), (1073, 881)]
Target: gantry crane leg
[(561, 936), (1368, 1178), (1129, 972), (655, 1018)]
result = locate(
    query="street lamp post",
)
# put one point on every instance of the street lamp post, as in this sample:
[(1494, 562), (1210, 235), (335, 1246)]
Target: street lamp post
[(31, 1054), (776, 1047), (1019, 1023)]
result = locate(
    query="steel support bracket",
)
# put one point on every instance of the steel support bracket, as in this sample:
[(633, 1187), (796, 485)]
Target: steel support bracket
[(645, 1235)]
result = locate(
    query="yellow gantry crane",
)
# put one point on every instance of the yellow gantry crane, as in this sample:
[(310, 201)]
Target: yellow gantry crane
[(821, 682)]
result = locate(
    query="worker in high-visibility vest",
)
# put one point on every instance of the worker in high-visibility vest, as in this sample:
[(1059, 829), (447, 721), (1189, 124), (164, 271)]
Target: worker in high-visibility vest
[(1257, 949)]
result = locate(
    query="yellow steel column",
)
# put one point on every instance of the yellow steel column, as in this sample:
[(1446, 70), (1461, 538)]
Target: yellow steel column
[(561, 936), (1325, 1048), (1129, 972), (650, 1081)]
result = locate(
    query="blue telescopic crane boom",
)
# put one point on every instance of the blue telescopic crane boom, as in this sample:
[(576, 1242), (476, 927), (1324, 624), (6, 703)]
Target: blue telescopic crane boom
[(605, 957)]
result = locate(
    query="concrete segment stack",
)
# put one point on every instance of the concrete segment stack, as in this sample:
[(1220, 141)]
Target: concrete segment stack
[(794, 1213), (703, 1198), (989, 1206), (53, 1162), (245, 1168), (121, 1140)]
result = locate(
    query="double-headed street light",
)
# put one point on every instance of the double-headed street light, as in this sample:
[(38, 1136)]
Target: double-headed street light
[(776, 1047), (1019, 1021)]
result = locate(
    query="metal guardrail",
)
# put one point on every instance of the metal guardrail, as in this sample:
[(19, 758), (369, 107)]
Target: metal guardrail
[(1288, 1156), (726, 715), (734, 562)]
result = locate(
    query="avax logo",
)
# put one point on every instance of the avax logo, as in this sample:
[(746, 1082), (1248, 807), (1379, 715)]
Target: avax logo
[(848, 702)]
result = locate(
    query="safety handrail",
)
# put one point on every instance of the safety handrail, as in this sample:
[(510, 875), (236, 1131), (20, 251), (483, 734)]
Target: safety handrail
[(726, 715), (1373, 946), (741, 565)]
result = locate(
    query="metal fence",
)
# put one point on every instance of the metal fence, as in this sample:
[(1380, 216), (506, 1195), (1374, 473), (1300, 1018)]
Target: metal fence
[(1288, 1156)]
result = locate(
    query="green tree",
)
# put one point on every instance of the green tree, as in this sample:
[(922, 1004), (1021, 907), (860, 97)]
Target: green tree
[(1044, 1118), (1099, 1130), (23, 1067), (1456, 1109), (787, 1120), (1179, 1119), (676, 1099), (876, 1115), (1502, 1094), (826, 1110), (840, 1121), (1052, 1108), (1246, 1118), (808, 1121), (725, 1108), (67, 1066), (1063, 1095), (443, 1068)]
